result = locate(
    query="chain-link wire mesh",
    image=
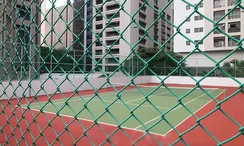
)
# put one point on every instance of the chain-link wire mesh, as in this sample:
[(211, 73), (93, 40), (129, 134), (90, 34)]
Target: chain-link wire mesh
[(109, 72)]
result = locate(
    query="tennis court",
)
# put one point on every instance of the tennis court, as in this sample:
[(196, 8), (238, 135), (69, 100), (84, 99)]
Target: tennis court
[(132, 107)]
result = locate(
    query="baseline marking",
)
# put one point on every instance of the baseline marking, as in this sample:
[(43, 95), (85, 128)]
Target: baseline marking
[(194, 113), (91, 121), (148, 96)]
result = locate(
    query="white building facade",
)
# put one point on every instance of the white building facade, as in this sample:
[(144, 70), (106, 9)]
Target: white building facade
[(216, 45)]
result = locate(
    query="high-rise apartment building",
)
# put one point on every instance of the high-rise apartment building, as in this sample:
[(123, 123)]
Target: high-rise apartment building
[(217, 45), (116, 33), (19, 38), (70, 30)]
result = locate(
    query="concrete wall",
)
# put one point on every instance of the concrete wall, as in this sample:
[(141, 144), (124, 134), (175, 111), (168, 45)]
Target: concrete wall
[(210, 81), (199, 60), (61, 85), (44, 87)]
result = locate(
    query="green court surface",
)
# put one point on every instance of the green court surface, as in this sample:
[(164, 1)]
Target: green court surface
[(132, 110)]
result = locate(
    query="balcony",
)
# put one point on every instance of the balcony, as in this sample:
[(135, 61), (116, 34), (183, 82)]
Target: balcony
[(142, 16), (112, 34), (142, 24), (112, 42), (235, 14), (234, 27), (23, 13), (141, 32), (218, 15), (232, 43), (109, 16), (99, 2), (219, 42), (219, 3), (114, 50), (99, 26), (99, 18), (221, 27), (143, 8), (142, 41), (113, 7), (113, 24), (231, 2)]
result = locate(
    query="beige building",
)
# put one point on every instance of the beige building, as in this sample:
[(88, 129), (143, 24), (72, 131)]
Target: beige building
[(119, 34), (20, 39), (64, 29)]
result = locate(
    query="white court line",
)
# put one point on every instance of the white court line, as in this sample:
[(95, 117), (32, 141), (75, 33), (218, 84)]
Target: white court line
[(109, 102), (133, 104), (91, 121), (148, 96), (194, 113), (176, 108)]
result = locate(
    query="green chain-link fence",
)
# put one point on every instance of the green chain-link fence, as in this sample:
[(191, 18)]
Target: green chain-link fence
[(96, 72)]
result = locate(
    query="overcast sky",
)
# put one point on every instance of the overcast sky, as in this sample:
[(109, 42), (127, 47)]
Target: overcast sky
[(58, 3)]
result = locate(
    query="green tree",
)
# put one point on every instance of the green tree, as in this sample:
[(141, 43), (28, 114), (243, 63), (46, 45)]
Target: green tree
[(234, 67), (160, 64), (66, 63)]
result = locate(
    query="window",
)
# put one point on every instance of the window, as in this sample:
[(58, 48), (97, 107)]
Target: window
[(142, 24), (99, 35), (219, 3), (98, 43), (188, 7), (112, 60), (112, 34), (115, 15), (168, 17), (234, 26), (99, 1), (199, 29), (142, 16), (198, 18), (188, 30), (218, 15), (111, 68), (114, 51), (112, 7), (22, 12), (112, 42), (219, 42), (99, 26), (99, 18), (196, 41), (188, 43), (142, 41), (99, 9), (232, 2), (99, 60), (143, 8), (141, 32), (113, 24), (200, 5), (221, 26), (235, 14), (188, 20), (99, 52), (232, 42)]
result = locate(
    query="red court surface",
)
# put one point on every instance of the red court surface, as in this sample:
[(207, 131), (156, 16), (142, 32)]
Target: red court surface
[(19, 121)]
